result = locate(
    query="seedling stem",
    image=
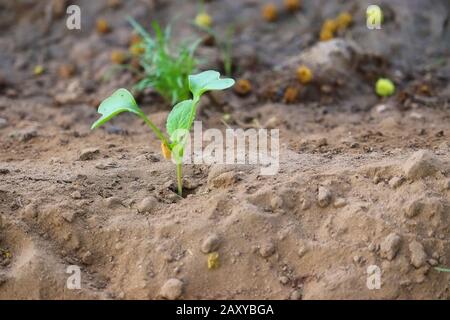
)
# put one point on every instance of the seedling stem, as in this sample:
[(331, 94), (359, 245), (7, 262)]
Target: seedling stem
[(180, 179)]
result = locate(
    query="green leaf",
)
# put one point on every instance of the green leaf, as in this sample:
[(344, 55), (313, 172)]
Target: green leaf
[(179, 117), (120, 101), (206, 81)]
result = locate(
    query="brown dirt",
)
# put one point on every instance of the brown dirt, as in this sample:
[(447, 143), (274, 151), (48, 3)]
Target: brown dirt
[(277, 239)]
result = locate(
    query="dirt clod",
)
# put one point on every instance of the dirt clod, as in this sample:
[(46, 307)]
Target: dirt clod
[(223, 180), (211, 243), (323, 197), (24, 135), (112, 202), (88, 154), (76, 195), (395, 182), (421, 164), (267, 249), (413, 208), (172, 289), (390, 246), (295, 295), (87, 258), (340, 203), (418, 254), (68, 215), (147, 205)]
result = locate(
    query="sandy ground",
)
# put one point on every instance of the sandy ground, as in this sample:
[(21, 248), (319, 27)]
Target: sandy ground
[(363, 181)]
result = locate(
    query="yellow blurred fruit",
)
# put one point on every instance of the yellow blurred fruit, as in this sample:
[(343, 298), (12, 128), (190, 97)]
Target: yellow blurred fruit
[(344, 20), (137, 50), (226, 117), (243, 87), (330, 25), (166, 151), (384, 87), (213, 260), (38, 70), (270, 13), (326, 35), (304, 74), (203, 20), (290, 95), (292, 5), (118, 56), (102, 26)]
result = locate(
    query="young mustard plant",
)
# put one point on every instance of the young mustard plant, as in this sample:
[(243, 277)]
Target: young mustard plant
[(179, 121), (166, 67), (224, 44)]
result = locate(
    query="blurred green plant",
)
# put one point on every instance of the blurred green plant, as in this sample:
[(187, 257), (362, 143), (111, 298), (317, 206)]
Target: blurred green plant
[(179, 121), (224, 44), (166, 67)]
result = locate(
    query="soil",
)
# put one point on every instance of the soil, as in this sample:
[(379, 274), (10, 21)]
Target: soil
[(363, 180)]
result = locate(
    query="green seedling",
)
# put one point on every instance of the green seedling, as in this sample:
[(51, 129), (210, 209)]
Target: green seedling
[(442, 269), (224, 44), (166, 68), (179, 121)]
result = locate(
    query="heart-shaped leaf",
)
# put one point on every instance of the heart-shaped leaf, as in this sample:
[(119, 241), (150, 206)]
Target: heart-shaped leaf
[(120, 101), (180, 117), (206, 81)]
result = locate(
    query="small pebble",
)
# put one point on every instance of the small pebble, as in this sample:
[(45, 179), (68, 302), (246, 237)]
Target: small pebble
[(433, 262), (302, 250), (147, 205), (112, 202), (76, 195), (87, 258), (421, 164), (395, 182), (323, 197), (88, 154), (211, 243), (68, 215), (172, 289), (276, 202), (295, 295), (413, 209), (305, 204), (340, 203), (24, 135), (390, 246), (267, 249), (284, 280), (418, 255)]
